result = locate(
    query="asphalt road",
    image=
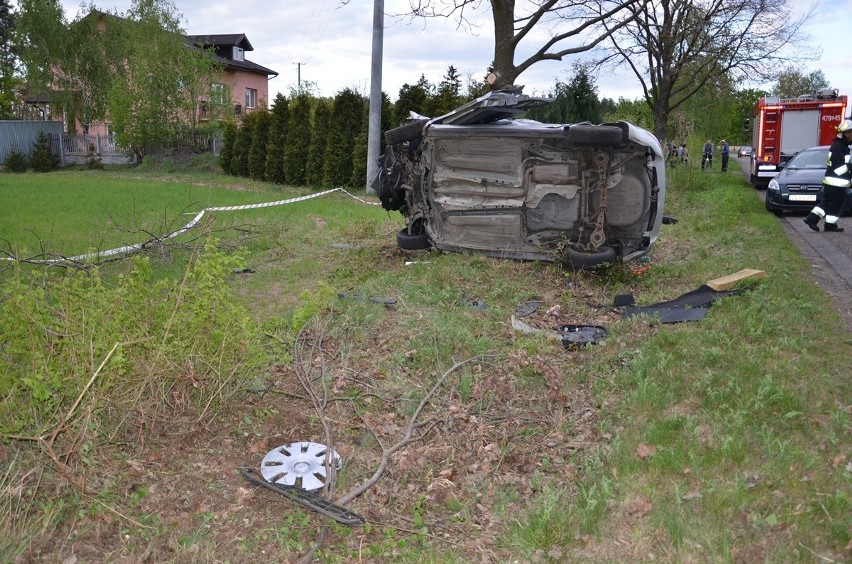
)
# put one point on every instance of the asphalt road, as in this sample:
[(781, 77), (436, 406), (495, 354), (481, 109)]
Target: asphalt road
[(830, 255)]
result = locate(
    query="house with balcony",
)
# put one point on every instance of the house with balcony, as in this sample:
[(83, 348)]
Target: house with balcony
[(242, 84)]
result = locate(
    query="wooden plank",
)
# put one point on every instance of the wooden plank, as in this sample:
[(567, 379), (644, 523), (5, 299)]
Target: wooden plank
[(731, 280)]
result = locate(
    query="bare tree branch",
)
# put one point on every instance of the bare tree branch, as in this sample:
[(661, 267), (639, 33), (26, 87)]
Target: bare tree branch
[(577, 26), (675, 48)]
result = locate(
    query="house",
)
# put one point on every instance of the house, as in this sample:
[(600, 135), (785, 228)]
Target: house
[(238, 87), (243, 83)]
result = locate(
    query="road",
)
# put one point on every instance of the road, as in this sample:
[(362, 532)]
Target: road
[(830, 255)]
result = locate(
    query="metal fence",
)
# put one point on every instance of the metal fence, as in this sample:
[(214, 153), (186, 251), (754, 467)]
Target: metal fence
[(20, 135), (91, 144)]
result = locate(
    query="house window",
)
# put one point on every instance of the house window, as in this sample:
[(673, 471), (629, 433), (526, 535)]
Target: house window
[(251, 97), (238, 54), (217, 94)]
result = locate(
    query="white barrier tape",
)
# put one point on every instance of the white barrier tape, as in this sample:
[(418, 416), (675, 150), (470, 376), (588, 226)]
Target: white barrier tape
[(138, 247)]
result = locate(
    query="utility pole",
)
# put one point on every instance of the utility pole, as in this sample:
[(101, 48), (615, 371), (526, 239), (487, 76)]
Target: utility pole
[(374, 133), (298, 75)]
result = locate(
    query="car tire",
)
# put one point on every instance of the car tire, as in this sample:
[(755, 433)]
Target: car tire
[(409, 242), (406, 132), (579, 260)]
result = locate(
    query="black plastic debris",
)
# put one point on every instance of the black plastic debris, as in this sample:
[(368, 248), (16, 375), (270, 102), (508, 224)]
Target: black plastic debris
[(668, 220), (691, 306), (527, 308), (581, 335), (384, 301)]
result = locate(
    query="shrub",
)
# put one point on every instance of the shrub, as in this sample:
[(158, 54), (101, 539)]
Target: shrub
[(93, 158), (43, 158), (229, 138), (16, 161)]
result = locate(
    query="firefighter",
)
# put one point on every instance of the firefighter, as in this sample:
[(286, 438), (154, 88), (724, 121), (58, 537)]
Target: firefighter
[(838, 177)]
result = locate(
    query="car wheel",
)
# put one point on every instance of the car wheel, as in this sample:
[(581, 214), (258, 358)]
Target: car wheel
[(580, 260), (406, 132), (409, 242)]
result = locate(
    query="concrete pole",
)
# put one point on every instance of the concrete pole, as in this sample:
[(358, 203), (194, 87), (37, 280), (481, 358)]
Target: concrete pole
[(374, 132)]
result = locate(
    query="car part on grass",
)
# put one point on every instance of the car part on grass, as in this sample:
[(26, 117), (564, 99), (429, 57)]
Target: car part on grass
[(308, 499), (301, 464), (581, 335), (480, 180), (519, 325), (528, 308), (691, 306)]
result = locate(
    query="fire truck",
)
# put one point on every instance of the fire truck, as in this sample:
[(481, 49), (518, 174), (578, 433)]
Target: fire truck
[(783, 127)]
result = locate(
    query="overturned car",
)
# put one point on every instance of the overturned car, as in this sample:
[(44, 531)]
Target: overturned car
[(476, 180)]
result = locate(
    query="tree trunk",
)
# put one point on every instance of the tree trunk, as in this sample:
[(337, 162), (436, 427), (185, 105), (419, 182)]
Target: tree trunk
[(504, 71)]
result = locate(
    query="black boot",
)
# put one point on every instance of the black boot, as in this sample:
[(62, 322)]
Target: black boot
[(833, 227), (812, 220)]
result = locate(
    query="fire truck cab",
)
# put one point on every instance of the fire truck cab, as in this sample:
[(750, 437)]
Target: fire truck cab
[(783, 127)]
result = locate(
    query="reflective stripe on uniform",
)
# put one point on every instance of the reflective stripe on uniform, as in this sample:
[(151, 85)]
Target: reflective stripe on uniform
[(841, 170), (832, 181)]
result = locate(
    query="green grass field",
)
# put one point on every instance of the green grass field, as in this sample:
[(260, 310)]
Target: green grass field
[(726, 439)]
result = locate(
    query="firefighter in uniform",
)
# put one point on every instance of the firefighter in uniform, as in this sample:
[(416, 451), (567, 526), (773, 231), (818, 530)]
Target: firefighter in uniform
[(838, 177)]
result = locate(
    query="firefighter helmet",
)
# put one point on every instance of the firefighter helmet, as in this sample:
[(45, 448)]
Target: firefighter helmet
[(845, 125)]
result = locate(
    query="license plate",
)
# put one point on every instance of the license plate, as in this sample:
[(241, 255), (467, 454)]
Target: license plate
[(803, 197)]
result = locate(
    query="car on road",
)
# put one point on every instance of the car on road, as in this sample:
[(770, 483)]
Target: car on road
[(481, 179), (797, 187), (744, 151)]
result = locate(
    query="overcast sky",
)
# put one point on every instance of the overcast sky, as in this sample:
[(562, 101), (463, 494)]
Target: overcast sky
[(330, 45)]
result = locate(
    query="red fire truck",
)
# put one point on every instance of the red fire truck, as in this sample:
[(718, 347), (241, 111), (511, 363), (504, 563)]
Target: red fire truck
[(783, 127)]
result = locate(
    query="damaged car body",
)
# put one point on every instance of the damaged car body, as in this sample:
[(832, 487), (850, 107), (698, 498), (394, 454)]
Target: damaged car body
[(476, 180)]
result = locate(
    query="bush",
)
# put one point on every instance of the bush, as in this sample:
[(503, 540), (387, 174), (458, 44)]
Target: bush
[(93, 158), (43, 159), (16, 161)]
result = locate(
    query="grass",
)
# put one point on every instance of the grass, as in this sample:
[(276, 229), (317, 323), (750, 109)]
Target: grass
[(726, 439)]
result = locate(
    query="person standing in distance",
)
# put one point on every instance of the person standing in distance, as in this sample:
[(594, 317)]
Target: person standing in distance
[(726, 153), (707, 156), (838, 177)]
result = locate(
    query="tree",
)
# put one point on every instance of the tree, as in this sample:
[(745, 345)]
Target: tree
[(573, 102), (413, 98), (320, 134), (792, 83), (8, 59), (297, 139), (346, 121), (275, 143), (449, 92), (43, 159), (677, 47), (105, 66), (153, 103), (575, 26)]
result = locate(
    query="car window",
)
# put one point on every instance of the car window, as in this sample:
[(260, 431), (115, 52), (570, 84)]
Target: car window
[(809, 159)]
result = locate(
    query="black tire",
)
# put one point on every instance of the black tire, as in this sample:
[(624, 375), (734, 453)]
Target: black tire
[(579, 260), (406, 132), (585, 134), (409, 242)]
